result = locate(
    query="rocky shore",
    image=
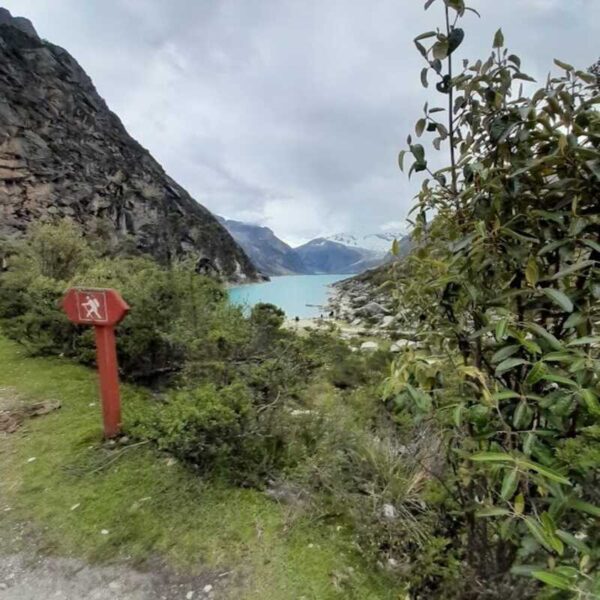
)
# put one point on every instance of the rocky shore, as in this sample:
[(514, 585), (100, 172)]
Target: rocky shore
[(368, 318)]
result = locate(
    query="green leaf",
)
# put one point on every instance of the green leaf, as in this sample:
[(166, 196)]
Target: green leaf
[(501, 329), (592, 244), (590, 399), (544, 471), (493, 512), (418, 152), (572, 541), (424, 81), (584, 341), (538, 533), (509, 484), (440, 49), (519, 505), (513, 58), (524, 77), (553, 579), (401, 156), (536, 373), (492, 457), (457, 5), (395, 247), (584, 264), (420, 127), (424, 36), (559, 379), (532, 273), (523, 415), (457, 415), (528, 444), (559, 298), (505, 395), (498, 39), (420, 398), (510, 363), (539, 330), (504, 353), (562, 65), (574, 320), (585, 507)]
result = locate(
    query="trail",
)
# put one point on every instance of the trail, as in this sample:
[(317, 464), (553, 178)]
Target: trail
[(24, 577)]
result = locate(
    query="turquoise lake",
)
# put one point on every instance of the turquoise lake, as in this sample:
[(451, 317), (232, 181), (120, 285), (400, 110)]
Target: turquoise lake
[(298, 295)]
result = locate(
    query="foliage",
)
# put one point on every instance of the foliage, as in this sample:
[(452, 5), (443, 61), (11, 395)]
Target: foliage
[(154, 508), (237, 403), (504, 287), (164, 302)]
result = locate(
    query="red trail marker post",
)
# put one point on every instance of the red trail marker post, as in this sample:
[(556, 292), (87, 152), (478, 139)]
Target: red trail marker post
[(103, 309)]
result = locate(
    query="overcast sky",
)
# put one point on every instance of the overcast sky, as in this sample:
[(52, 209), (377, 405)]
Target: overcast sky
[(289, 113)]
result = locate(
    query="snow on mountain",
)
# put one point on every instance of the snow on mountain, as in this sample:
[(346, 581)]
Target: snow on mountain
[(380, 243)]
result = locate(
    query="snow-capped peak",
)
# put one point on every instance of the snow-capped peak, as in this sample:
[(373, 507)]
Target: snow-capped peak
[(381, 243)]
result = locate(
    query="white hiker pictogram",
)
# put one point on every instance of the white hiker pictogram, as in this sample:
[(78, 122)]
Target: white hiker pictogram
[(91, 306)]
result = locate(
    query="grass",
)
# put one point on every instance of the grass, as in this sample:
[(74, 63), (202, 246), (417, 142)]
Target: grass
[(80, 497)]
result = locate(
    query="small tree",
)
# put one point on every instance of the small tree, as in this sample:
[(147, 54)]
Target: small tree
[(504, 288)]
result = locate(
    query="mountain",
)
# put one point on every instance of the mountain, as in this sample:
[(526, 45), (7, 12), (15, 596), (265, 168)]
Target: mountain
[(63, 153), (339, 253), (350, 253), (322, 255), (271, 255), (380, 243)]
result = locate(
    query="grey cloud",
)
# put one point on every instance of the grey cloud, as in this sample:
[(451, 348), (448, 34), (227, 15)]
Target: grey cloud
[(288, 112)]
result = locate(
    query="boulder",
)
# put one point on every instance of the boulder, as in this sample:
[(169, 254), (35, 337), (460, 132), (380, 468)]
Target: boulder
[(371, 309), (369, 346), (387, 321), (399, 345)]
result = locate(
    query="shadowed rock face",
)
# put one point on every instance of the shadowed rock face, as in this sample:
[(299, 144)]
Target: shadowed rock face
[(63, 153), (271, 255)]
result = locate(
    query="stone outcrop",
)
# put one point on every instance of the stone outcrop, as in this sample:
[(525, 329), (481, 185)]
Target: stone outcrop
[(271, 255), (63, 153)]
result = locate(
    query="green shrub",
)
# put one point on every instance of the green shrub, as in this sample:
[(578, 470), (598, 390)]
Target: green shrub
[(503, 291), (170, 308), (226, 432)]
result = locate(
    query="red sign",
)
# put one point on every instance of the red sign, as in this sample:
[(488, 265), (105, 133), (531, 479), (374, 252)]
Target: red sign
[(94, 306), (102, 308)]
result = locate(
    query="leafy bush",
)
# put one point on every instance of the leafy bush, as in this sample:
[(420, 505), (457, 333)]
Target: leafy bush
[(504, 289), (165, 302)]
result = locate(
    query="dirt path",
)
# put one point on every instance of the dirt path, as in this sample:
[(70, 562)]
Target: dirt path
[(27, 578)]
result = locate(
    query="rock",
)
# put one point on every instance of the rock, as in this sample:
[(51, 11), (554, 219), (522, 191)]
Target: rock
[(356, 322), (271, 255), (63, 153), (369, 346), (207, 588), (387, 321), (371, 309), (285, 493), (399, 345), (359, 300), (389, 511)]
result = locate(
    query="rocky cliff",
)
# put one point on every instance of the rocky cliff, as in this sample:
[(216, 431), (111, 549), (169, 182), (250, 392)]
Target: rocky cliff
[(63, 153), (271, 255)]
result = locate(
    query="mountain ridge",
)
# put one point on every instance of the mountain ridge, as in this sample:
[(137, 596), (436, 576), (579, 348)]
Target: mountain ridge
[(64, 154), (335, 254), (270, 254)]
